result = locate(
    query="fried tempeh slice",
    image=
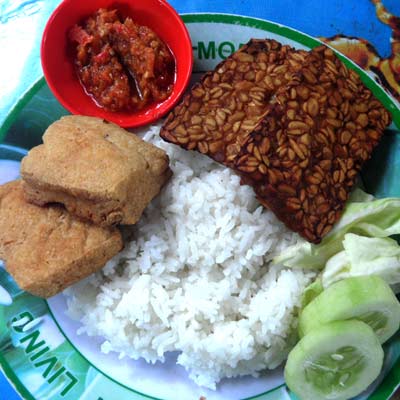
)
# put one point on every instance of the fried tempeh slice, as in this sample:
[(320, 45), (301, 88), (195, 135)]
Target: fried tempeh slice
[(220, 110), (99, 171), (303, 158), (303, 152), (45, 249)]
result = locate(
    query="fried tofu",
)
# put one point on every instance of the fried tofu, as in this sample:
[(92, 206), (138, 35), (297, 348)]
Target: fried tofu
[(45, 249), (97, 170)]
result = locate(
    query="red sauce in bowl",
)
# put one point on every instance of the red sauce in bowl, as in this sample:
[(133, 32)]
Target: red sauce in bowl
[(124, 66)]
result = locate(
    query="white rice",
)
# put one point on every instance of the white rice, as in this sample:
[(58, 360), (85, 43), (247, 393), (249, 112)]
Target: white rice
[(197, 278)]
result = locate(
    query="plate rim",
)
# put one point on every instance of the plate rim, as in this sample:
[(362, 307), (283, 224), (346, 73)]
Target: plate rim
[(22, 101), (377, 89), (392, 379)]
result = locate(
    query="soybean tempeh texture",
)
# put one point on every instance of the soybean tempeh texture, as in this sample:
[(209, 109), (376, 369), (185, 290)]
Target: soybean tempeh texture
[(296, 125)]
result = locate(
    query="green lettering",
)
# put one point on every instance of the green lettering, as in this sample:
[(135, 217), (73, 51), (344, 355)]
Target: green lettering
[(18, 328), (225, 49), (32, 345), (208, 52), (70, 385), (40, 353), (52, 361), (56, 375)]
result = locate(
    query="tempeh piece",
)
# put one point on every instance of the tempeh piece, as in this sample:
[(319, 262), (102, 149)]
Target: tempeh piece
[(303, 158), (219, 112), (303, 147)]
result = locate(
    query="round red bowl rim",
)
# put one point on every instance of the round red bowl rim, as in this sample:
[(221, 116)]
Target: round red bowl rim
[(130, 120)]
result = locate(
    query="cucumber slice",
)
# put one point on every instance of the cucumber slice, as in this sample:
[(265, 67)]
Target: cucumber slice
[(335, 361), (311, 292), (366, 298)]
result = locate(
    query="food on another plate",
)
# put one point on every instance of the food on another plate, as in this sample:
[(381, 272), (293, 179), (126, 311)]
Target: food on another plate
[(44, 248), (197, 278), (366, 298), (336, 361), (97, 170), (296, 125), (123, 65)]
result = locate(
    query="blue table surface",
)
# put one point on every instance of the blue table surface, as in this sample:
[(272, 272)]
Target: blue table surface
[(7, 392), (315, 17)]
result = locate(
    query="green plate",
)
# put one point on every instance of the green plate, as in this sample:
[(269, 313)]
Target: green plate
[(40, 352)]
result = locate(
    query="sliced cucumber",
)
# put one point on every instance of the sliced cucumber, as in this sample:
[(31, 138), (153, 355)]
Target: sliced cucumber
[(335, 361), (313, 290), (366, 298)]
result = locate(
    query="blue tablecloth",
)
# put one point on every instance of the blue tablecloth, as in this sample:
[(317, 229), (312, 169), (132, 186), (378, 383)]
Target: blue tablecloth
[(22, 23)]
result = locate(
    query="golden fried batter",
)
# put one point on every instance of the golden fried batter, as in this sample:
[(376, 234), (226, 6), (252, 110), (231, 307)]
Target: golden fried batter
[(99, 171), (44, 248)]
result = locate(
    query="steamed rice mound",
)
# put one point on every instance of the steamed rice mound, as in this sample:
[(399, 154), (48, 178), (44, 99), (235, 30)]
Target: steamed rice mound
[(197, 278)]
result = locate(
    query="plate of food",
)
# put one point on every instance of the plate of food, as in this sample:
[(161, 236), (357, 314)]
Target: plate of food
[(241, 245)]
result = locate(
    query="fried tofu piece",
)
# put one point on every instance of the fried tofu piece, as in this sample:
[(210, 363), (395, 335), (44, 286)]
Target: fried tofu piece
[(299, 143), (97, 170), (45, 249)]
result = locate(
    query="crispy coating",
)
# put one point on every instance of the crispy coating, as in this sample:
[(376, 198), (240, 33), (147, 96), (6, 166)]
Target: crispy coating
[(97, 170), (318, 138), (44, 248), (220, 110), (297, 126)]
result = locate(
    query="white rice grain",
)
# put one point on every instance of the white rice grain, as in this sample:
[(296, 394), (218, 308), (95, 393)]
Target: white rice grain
[(197, 278)]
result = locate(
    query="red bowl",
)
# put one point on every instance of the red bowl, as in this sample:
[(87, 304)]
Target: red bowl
[(58, 65)]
